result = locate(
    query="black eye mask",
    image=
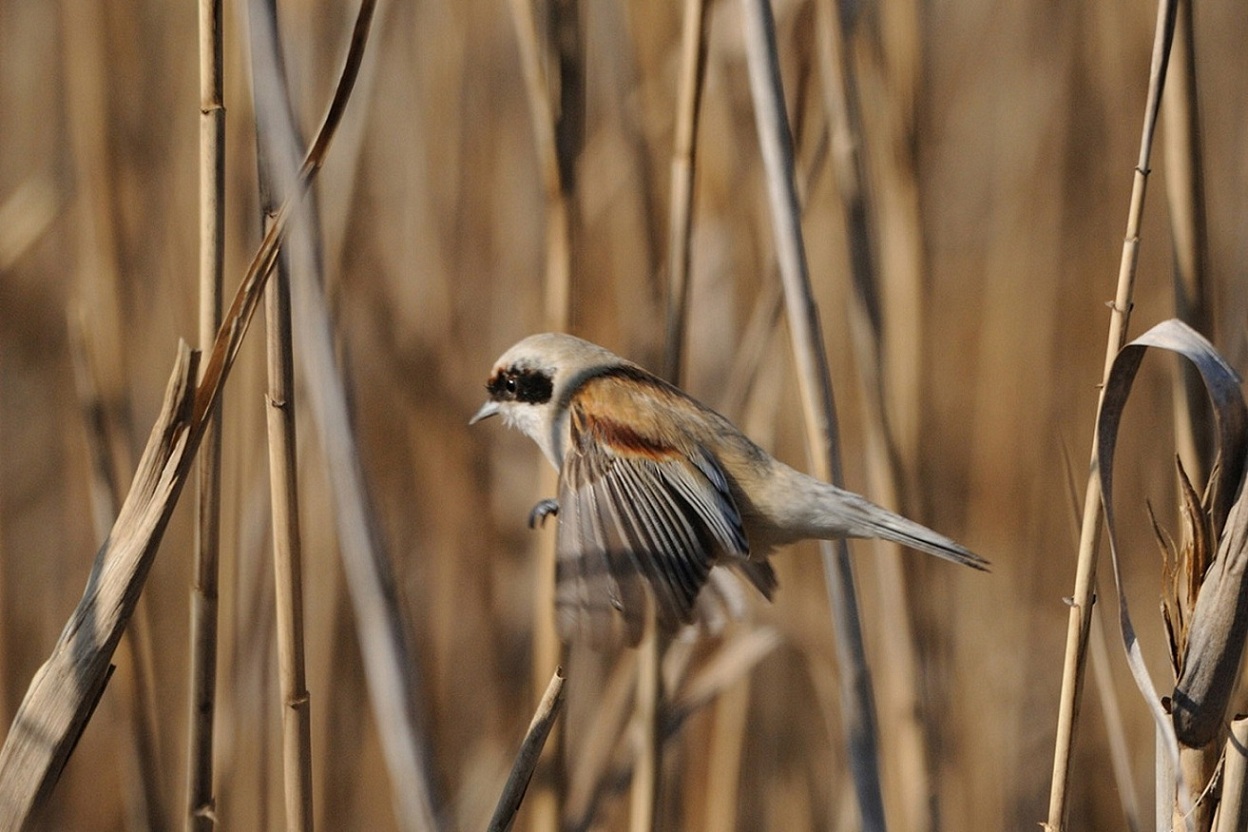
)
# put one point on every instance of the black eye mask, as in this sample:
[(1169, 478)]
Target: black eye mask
[(521, 385)]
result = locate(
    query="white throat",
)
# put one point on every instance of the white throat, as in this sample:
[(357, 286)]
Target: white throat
[(540, 425)]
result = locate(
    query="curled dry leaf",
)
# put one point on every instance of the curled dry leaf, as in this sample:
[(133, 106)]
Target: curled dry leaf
[(1213, 642)]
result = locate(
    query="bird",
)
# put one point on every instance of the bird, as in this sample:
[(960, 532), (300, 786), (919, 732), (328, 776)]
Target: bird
[(658, 494)]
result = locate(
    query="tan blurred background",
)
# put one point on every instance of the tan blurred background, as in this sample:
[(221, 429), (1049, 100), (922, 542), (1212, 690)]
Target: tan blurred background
[(1001, 140)]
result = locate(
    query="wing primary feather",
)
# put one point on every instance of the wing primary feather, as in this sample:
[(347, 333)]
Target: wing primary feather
[(647, 548), (608, 546), (638, 515), (679, 544), (723, 516)]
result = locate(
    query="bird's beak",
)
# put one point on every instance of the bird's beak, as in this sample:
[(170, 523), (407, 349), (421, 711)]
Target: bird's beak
[(487, 410)]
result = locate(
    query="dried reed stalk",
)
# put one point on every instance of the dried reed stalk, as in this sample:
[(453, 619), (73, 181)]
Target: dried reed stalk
[(545, 805), (529, 754), (295, 701), (1090, 528), (598, 746), (900, 653), (725, 754), (684, 149), (1189, 233), (390, 661), (648, 762), (648, 766), (1185, 192), (1111, 712), (544, 120), (296, 707), (61, 697), (201, 808), (1111, 709), (857, 706), (1233, 809)]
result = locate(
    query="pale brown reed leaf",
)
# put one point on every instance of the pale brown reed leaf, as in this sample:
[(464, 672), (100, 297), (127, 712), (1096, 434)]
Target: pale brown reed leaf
[(1216, 636)]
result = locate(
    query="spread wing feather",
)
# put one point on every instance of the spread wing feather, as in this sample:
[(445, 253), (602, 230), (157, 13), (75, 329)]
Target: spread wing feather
[(634, 515)]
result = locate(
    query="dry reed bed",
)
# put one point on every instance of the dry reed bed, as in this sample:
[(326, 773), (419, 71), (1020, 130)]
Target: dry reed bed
[(999, 145)]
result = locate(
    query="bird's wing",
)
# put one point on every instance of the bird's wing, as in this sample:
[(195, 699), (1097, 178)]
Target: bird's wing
[(635, 511)]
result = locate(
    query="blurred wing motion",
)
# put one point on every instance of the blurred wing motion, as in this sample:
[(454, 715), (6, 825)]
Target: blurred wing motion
[(637, 514)]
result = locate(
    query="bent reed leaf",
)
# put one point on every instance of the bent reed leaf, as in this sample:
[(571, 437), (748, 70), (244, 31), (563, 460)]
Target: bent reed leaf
[(1215, 638)]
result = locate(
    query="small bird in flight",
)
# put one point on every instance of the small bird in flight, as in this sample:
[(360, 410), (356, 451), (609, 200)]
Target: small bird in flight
[(656, 491)]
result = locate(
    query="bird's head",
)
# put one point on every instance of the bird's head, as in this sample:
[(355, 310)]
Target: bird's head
[(532, 382)]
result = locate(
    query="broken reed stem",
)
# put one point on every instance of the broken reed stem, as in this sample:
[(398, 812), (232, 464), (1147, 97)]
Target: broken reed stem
[(684, 149), (106, 498), (1090, 529), (201, 811), (903, 704), (529, 755), (295, 702), (857, 706), (66, 688), (64, 691)]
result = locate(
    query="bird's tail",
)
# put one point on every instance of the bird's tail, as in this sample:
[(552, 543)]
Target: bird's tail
[(835, 513)]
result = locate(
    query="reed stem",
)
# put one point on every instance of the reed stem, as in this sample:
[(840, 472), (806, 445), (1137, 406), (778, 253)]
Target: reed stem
[(857, 701), (1080, 620), (200, 799)]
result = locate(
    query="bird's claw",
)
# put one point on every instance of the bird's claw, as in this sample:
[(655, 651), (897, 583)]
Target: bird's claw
[(537, 517)]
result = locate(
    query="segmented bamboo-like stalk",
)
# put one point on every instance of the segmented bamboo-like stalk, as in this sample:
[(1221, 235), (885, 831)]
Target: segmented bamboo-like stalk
[(1090, 529), (201, 811), (63, 694), (295, 701)]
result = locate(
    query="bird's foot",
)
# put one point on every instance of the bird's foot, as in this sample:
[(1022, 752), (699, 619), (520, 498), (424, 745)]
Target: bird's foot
[(537, 517)]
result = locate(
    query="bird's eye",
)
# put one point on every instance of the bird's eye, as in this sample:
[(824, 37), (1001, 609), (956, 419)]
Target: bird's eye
[(520, 385)]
